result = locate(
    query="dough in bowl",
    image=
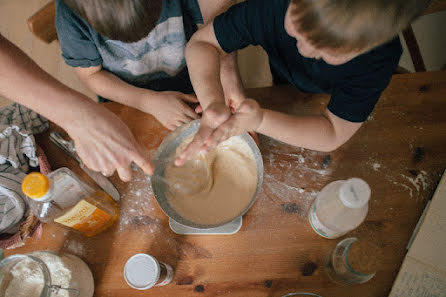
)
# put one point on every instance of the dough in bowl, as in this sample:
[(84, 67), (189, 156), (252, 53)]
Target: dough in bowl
[(213, 188)]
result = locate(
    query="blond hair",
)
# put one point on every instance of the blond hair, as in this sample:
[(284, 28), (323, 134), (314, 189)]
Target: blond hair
[(353, 25)]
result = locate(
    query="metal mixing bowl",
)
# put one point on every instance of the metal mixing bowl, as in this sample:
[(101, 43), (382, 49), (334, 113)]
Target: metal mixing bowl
[(166, 152)]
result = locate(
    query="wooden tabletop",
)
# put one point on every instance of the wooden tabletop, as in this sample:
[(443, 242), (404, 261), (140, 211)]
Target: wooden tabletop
[(400, 151)]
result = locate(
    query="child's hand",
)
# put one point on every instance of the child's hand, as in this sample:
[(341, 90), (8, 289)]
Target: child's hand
[(247, 118), (214, 116), (169, 108)]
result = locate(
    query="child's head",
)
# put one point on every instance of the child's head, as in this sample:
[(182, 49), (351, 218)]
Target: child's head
[(339, 30), (124, 20)]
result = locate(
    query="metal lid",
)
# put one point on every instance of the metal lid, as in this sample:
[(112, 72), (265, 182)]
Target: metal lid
[(141, 271), (354, 193)]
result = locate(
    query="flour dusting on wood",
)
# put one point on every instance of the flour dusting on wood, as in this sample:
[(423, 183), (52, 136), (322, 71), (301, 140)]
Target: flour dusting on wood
[(293, 175), (137, 203)]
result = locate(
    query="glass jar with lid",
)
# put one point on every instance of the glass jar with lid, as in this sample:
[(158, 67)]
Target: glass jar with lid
[(63, 198)]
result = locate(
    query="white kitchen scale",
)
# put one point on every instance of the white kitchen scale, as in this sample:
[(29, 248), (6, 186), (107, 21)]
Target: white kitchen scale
[(227, 229)]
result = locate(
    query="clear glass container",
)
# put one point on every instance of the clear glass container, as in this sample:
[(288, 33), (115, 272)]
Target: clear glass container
[(31, 275), (61, 197), (346, 267), (340, 207)]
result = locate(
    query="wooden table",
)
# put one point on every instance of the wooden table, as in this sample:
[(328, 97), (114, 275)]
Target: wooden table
[(400, 152)]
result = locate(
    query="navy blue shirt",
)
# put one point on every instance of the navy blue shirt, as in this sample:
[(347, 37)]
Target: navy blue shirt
[(355, 86)]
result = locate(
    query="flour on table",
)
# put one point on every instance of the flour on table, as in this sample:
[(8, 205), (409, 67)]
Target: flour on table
[(376, 166), (293, 175), (137, 202), (74, 247)]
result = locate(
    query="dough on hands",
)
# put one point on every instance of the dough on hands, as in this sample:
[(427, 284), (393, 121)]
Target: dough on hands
[(215, 187)]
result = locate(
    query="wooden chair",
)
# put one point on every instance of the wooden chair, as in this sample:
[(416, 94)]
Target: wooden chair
[(42, 23), (411, 41)]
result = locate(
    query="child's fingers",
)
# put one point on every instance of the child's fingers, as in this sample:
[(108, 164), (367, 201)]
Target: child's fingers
[(190, 113), (194, 146), (190, 98), (219, 135), (199, 109)]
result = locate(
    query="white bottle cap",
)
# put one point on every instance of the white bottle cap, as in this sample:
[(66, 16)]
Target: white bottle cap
[(142, 271), (354, 193)]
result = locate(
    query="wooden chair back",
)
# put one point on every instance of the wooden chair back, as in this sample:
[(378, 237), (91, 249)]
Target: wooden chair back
[(42, 23)]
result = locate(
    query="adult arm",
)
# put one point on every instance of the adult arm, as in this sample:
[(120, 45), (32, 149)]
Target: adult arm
[(102, 140)]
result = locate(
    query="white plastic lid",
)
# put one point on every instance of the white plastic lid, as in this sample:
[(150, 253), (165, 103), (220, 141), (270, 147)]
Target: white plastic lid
[(141, 271), (354, 193)]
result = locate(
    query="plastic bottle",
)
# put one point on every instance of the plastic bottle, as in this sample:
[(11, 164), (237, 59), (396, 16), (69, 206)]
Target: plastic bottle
[(64, 199), (340, 207)]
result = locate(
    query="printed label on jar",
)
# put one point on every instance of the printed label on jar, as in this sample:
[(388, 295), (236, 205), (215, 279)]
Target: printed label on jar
[(320, 228), (85, 217)]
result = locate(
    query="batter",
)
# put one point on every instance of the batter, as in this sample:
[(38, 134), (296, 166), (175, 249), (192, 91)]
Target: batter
[(215, 187)]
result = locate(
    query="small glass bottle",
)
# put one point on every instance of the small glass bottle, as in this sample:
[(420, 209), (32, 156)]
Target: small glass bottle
[(143, 272), (340, 207), (61, 197), (352, 263)]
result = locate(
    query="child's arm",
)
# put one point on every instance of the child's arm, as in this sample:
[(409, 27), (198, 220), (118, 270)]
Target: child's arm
[(325, 132), (102, 140), (167, 107), (203, 55)]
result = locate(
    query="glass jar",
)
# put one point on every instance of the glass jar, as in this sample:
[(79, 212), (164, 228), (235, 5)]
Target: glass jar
[(143, 272), (340, 266), (45, 274), (63, 198)]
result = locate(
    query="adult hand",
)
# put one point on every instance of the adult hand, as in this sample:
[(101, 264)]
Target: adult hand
[(170, 108), (213, 116), (105, 143), (246, 118)]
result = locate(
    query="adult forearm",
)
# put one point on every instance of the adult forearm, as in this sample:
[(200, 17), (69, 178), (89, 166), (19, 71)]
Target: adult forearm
[(203, 61), (311, 132), (25, 82)]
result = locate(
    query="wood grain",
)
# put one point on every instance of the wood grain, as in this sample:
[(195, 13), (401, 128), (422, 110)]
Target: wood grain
[(399, 151), (42, 23)]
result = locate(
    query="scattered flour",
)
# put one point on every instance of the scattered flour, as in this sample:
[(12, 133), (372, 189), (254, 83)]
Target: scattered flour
[(74, 247), (293, 175), (412, 185), (421, 181), (376, 166), (137, 204)]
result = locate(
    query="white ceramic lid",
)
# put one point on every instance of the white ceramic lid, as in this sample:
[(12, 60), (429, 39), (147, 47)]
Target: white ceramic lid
[(354, 193), (141, 271)]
